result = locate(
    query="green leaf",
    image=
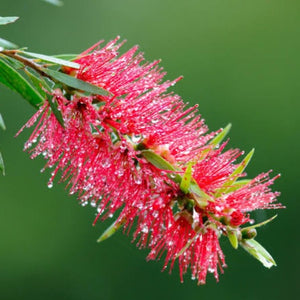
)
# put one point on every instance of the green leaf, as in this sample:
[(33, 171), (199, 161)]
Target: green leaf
[(12, 62), (259, 252), (110, 230), (55, 2), (66, 56), (219, 138), (232, 184), (2, 125), (4, 44), (14, 80), (232, 236), (76, 83), (52, 59), (39, 83), (186, 179), (2, 168), (242, 166), (261, 224), (200, 196), (158, 161), (7, 20), (56, 112), (237, 185)]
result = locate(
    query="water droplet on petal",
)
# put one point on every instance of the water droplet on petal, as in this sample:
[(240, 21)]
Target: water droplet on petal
[(106, 163), (138, 180), (145, 229)]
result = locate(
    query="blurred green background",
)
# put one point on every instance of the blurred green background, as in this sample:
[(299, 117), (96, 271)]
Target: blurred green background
[(240, 60)]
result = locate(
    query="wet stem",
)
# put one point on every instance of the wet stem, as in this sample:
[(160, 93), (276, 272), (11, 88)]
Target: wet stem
[(27, 62), (38, 68)]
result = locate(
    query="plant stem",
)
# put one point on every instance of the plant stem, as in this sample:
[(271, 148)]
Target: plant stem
[(26, 62)]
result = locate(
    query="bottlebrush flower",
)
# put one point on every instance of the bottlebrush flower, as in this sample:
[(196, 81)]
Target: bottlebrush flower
[(141, 152), (193, 234), (202, 255), (140, 105)]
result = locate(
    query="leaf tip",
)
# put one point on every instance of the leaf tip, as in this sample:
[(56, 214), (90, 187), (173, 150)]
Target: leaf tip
[(2, 124)]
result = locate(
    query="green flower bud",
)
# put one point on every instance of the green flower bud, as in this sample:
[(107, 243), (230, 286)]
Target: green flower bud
[(248, 234)]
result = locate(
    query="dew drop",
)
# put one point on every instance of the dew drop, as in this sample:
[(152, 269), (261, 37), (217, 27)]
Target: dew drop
[(119, 172), (106, 163), (136, 138), (145, 229), (138, 180), (218, 208)]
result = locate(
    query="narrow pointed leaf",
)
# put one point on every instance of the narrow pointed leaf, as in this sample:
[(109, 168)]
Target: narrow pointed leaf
[(2, 124), (237, 185), (5, 44), (200, 196), (240, 169), (53, 59), (39, 83), (66, 56), (7, 20), (259, 252), (220, 137), (2, 168), (233, 239), (112, 229), (232, 184), (14, 80), (76, 83), (55, 2), (12, 62), (55, 111), (261, 224), (157, 160), (186, 179)]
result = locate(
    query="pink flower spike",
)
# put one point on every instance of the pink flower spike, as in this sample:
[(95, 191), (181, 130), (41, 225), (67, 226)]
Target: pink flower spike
[(144, 157)]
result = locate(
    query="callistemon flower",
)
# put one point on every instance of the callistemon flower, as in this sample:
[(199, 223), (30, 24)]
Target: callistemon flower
[(141, 152), (140, 104), (203, 253), (193, 234), (96, 166)]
